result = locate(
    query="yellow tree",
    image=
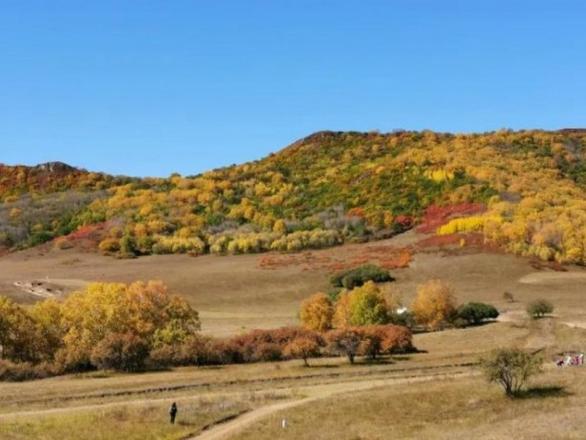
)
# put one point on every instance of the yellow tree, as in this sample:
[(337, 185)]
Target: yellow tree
[(365, 305), (434, 304), (316, 312)]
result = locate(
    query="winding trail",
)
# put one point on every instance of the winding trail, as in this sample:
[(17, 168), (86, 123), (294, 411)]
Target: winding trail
[(236, 425)]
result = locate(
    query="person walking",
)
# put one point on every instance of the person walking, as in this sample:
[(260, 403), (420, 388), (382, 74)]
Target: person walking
[(173, 412)]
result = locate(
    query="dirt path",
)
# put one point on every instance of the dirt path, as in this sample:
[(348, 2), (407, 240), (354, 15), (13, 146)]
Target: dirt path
[(227, 429)]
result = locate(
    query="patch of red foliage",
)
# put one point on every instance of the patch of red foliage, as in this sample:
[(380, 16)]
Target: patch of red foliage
[(401, 261), (388, 257), (356, 212), (472, 239), (455, 244), (85, 237), (543, 265), (406, 221), (435, 216)]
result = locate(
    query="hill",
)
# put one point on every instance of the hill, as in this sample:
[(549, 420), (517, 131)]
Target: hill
[(523, 191), (41, 202)]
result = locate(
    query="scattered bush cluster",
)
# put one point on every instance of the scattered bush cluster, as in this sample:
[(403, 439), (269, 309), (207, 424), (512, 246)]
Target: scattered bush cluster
[(434, 306)]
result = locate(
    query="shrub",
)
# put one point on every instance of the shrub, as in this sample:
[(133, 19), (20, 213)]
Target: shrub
[(197, 350), (511, 368), (162, 357), (379, 339), (122, 352), (475, 313), (302, 348), (19, 372), (247, 347), (539, 308), (128, 247), (268, 352), (344, 342), (109, 245), (357, 277), (396, 339)]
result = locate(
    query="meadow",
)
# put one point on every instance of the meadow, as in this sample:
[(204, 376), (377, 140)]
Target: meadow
[(407, 396)]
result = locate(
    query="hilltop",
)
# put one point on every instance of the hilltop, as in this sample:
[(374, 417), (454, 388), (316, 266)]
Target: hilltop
[(522, 191)]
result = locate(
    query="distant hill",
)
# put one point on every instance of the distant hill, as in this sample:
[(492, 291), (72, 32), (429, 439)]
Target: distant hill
[(524, 191), (49, 177)]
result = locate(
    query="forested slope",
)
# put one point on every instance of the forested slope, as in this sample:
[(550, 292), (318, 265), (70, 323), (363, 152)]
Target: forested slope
[(527, 188)]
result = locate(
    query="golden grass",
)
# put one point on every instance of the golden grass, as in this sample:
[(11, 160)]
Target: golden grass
[(149, 421), (444, 409), (234, 294)]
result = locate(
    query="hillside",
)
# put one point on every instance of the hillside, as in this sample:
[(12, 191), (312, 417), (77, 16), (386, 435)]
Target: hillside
[(41, 202), (523, 191)]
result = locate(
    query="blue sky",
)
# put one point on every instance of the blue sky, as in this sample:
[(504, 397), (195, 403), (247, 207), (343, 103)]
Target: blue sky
[(153, 87)]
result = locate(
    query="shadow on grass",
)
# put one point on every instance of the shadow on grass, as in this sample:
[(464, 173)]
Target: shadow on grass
[(326, 366), (543, 392)]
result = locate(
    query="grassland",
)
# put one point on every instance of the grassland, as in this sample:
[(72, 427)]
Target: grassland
[(459, 408), (435, 393), (364, 398), (234, 293)]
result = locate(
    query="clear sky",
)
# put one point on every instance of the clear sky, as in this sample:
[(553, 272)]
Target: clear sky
[(152, 87)]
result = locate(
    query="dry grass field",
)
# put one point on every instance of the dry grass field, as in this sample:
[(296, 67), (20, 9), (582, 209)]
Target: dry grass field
[(235, 293), (458, 408), (434, 394), (430, 392)]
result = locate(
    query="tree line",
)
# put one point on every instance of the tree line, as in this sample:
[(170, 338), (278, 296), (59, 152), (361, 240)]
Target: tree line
[(138, 326), (357, 300)]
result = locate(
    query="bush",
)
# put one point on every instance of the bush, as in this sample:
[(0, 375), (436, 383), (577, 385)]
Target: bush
[(197, 350), (268, 352), (511, 368), (539, 308), (379, 339), (109, 245), (357, 277), (475, 313), (19, 372), (122, 352), (257, 345), (162, 357), (345, 342), (302, 347)]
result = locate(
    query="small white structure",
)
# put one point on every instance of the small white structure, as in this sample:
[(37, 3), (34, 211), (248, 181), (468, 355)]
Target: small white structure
[(284, 424)]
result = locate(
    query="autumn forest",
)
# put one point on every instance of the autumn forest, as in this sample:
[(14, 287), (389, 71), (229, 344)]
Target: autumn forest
[(521, 191)]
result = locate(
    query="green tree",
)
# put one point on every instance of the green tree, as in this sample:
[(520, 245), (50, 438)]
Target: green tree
[(511, 368), (368, 305), (475, 313), (539, 308)]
